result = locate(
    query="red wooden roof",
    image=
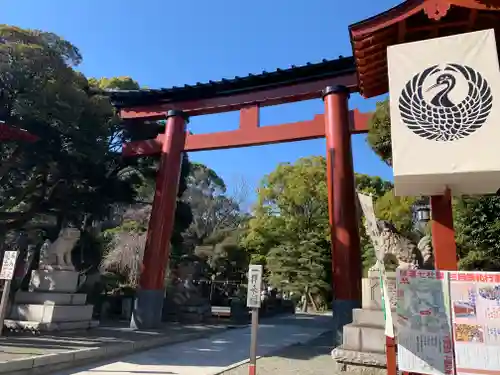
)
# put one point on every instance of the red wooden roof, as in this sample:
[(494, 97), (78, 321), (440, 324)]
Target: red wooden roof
[(9, 133), (411, 21)]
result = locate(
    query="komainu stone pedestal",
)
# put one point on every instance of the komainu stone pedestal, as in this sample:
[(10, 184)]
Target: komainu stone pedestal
[(52, 304), (363, 348)]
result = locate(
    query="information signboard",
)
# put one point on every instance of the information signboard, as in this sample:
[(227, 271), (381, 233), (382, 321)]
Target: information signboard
[(475, 301), (424, 322), (8, 265)]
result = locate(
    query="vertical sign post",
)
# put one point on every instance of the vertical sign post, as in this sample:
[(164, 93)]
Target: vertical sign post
[(253, 302), (6, 273)]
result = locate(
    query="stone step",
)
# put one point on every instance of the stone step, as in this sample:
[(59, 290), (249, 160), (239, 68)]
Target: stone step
[(366, 317), (364, 338), (356, 358), (54, 298), (51, 313), (61, 326)]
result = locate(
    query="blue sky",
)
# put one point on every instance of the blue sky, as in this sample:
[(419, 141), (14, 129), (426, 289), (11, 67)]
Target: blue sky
[(162, 43)]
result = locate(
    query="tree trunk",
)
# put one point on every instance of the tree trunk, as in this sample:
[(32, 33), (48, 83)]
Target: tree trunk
[(315, 307), (304, 305)]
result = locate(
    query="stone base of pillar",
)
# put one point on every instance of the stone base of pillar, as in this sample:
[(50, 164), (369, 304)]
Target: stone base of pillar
[(148, 307), (342, 315), (363, 348)]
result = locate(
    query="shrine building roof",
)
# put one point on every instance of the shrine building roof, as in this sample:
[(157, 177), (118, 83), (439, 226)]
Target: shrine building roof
[(413, 20)]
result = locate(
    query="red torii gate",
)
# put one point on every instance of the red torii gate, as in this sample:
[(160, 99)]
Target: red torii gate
[(10, 133), (333, 80), (365, 73)]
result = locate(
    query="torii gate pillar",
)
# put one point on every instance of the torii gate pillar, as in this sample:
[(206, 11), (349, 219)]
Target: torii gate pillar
[(346, 253), (149, 302)]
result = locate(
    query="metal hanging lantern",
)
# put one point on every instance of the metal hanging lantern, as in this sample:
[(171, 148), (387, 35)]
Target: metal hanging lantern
[(421, 213)]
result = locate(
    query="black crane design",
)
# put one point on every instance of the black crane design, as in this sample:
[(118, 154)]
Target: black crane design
[(441, 119), (441, 99)]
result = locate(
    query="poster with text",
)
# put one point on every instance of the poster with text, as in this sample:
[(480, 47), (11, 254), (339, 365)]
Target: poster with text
[(475, 300), (424, 322)]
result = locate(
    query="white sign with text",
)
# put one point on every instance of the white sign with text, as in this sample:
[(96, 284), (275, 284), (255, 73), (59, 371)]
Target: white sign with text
[(8, 265), (254, 285)]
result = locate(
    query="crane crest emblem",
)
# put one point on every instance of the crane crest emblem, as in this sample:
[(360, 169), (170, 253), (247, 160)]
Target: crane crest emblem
[(433, 106)]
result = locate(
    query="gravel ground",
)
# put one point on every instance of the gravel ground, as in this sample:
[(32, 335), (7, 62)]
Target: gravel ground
[(304, 359)]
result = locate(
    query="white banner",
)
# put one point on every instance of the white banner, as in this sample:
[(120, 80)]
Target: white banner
[(444, 107)]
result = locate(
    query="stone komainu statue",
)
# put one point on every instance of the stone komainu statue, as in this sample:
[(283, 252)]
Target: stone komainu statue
[(402, 250), (57, 255)]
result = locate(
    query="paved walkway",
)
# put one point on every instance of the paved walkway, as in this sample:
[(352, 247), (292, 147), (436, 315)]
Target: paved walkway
[(216, 353), (311, 358), (24, 345)]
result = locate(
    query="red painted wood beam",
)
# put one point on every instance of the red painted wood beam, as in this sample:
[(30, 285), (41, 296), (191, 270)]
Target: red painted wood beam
[(359, 121), (250, 134), (263, 98), (443, 233), (244, 137)]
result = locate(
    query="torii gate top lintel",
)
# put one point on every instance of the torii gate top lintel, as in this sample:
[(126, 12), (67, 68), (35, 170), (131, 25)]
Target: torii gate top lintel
[(247, 95)]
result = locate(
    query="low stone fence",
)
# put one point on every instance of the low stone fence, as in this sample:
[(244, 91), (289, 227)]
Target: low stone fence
[(269, 308)]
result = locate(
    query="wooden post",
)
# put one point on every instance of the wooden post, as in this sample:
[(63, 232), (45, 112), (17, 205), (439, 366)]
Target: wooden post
[(443, 234), (254, 302), (391, 357), (7, 273), (4, 303), (252, 365)]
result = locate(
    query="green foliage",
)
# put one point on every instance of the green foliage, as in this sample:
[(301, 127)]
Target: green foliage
[(114, 83), (72, 171), (379, 134), (374, 185), (477, 226), (226, 259), (290, 230), (397, 210), (300, 266), (75, 172), (214, 212), (290, 233), (130, 236), (217, 226)]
